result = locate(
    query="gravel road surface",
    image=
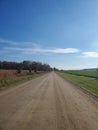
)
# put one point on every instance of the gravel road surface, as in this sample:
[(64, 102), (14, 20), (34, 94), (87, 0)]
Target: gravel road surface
[(47, 103)]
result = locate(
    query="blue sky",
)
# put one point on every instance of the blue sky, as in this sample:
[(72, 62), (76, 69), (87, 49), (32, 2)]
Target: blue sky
[(63, 33)]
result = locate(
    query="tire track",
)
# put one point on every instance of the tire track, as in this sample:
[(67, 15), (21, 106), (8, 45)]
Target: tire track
[(35, 112), (62, 119), (69, 122)]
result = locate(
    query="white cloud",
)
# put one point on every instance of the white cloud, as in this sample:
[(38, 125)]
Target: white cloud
[(90, 54), (42, 50), (66, 50)]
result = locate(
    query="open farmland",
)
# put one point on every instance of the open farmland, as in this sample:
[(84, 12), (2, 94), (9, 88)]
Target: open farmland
[(86, 73), (85, 79), (11, 77)]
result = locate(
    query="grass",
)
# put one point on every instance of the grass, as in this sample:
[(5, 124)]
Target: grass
[(10, 78), (92, 74), (89, 83)]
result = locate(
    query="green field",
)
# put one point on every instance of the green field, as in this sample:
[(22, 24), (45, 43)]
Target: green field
[(86, 73), (85, 79)]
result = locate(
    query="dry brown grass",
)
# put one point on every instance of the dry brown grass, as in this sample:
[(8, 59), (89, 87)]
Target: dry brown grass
[(11, 77), (11, 73)]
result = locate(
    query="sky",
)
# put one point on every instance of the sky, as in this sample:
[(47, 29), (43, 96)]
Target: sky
[(62, 33)]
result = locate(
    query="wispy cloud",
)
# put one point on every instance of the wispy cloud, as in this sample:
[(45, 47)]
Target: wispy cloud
[(43, 50), (15, 43), (90, 54), (30, 48), (7, 41)]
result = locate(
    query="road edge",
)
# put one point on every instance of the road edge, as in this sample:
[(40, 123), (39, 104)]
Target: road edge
[(87, 92)]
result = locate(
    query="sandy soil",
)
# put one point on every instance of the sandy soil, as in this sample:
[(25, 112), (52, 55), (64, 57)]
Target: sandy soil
[(47, 103)]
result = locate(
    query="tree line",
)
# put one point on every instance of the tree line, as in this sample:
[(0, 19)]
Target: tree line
[(25, 65)]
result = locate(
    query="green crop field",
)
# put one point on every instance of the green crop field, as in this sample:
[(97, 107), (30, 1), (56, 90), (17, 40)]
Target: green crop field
[(86, 73), (85, 79)]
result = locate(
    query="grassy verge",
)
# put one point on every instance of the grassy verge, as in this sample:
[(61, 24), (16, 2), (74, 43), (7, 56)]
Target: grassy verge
[(90, 84), (8, 82)]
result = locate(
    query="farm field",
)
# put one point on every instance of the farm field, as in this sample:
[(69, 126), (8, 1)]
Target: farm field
[(11, 77), (86, 73), (85, 79)]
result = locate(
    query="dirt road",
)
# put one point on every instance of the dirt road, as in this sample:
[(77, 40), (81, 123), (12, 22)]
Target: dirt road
[(47, 103)]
